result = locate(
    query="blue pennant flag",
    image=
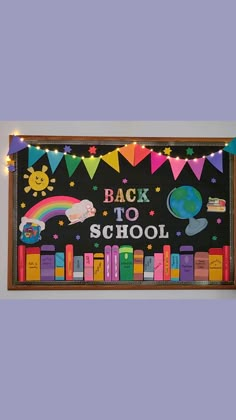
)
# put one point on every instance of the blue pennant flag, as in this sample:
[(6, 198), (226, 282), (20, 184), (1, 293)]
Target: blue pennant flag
[(34, 155), (54, 159), (231, 148)]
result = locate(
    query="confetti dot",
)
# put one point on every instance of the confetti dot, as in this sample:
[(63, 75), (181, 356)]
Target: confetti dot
[(67, 149), (218, 220), (149, 246), (96, 245), (61, 223), (178, 233), (95, 188), (151, 213), (214, 238), (189, 151), (23, 205), (105, 213), (72, 184), (55, 236), (213, 180), (124, 180), (167, 151), (77, 237), (92, 150), (157, 189)]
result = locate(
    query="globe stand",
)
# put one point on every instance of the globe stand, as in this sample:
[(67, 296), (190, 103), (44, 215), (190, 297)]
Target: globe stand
[(195, 226)]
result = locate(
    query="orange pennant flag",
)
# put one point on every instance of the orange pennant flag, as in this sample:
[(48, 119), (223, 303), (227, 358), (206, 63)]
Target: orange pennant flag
[(112, 159), (128, 152)]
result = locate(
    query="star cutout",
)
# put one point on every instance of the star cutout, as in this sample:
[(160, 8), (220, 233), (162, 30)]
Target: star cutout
[(213, 180), (67, 149), (124, 180), (218, 220), (23, 205), (55, 236), (92, 150), (105, 213), (157, 189), (214, 238), (189, 151), (95, 188), (11, 168), (151, 213), (96, 245), (178, 233), (61, 223), (149, 247), (77, 237), (72, 184), (167, 151)]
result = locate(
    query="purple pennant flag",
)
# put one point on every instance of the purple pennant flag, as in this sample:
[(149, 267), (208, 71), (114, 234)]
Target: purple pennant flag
[(216, 160), (197, 166), (16, 145)]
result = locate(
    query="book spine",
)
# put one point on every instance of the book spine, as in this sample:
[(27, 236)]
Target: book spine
[(33, 264), (148, 268), (107, 263), (215, 264), (158, 266), (21, 263), (98, 267), (88, 267), (126, 263), (115, 263), (138, 264), (166, 262), (174, 270), (78, 273), (69, 262), (59, 266), (226, 263)]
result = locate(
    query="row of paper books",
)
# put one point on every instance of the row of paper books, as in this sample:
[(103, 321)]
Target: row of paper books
[(123, 264)]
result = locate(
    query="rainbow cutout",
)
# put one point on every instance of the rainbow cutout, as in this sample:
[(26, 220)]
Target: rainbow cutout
[(51, 207)]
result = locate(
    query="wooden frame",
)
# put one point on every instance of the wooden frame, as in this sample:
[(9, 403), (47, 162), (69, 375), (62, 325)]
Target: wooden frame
[(157, 144)]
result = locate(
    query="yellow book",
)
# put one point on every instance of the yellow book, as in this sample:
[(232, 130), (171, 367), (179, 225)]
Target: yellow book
[(215, 264), (98, 267), (33, 264)]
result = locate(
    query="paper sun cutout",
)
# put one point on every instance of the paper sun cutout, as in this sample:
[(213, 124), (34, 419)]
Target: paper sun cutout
[(38, 181)]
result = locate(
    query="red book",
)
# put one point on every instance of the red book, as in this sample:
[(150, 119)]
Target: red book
[(226, 263), (21, 262), (69, 262)]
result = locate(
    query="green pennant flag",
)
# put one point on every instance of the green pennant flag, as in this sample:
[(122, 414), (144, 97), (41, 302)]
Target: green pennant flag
[(91, 164), (72, 163)]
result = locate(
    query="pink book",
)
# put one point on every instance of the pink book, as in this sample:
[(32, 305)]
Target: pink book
[(108, 263), (158, 266), (21, 263), (226, 263), (115, 263), (88, 267)]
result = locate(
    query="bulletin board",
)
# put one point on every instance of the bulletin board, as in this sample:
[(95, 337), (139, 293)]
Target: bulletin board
[(120, 213)]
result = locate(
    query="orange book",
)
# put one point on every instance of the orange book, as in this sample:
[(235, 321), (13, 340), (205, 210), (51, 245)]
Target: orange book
[(166, 262), (69, 262)]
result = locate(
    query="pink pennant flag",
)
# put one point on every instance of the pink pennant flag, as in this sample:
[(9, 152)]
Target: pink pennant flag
[(176, 166), (216, 160), (140, 154), (157, 161), (197, 166)]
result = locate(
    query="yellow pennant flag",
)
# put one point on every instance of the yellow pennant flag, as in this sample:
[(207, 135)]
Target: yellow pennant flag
[(112, 159)]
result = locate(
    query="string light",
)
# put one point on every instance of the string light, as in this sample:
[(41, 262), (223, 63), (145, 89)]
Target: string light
[(56, 151), (38, 147), (212, 154), (74, 156), (46, 150)]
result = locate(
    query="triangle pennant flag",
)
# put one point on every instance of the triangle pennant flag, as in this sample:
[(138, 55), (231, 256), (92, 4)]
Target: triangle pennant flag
[(54, 159), (112, 159), (91, 164), (176, 166), (128, 152), (197, 167), (157, 161), (34, 155), (72, 163), (16, 145), (231, 147), (140, 154), (216, 160)]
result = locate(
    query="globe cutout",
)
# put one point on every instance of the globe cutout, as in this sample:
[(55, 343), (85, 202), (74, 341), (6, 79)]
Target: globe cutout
[(185, 202)]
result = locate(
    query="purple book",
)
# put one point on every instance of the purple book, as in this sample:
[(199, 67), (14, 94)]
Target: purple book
[(47, 262), (186, 263)]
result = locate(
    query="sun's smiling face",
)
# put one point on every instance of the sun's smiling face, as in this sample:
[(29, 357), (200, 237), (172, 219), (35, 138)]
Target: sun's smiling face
[(38, 181)]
